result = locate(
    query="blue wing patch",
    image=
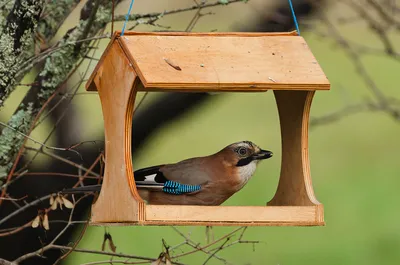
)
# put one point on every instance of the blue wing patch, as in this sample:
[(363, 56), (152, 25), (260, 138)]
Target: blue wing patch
[(176, 188)]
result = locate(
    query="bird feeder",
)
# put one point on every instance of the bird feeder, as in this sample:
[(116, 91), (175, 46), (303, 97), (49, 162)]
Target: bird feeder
[(207, 62)]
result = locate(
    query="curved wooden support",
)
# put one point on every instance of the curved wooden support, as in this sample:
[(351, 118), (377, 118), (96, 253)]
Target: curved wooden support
[(118, 202), (295, 186)]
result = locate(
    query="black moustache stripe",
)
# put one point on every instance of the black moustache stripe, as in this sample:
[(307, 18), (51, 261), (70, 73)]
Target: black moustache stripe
[(244, 161)]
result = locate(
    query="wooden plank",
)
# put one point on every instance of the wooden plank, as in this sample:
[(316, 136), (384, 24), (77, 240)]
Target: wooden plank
[(295, 185), (214, 34), (91, 86), (234, 63), (160, 215), (118, 200), (285, 214), (208, 223)]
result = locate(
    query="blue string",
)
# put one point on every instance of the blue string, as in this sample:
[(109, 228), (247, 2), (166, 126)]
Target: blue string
[(127, 17), (294, 17)]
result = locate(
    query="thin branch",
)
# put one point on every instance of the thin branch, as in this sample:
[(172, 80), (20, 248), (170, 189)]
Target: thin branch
[(360, 68), (390, 21), (112, 18), (24, 208), (6, 262), (374, 26), (208, 245), (88, 25), (217, 250), (112, 254), (12, 199), (68, 104), (14, 230), (194, 245), (49, 246), (56, 174), (63, 160), (175, 11), (27, 65), (75, 243), (195, 18), (114, 262), (39, 143)]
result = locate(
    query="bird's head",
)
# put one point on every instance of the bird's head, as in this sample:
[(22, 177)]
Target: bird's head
[(243, 153), (242, 158)]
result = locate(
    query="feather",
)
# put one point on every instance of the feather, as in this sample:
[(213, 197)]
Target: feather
[(176, 188), (193, 171), (150, 176)]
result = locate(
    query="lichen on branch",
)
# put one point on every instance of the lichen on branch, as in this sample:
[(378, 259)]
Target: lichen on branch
[(57, 67), (16, 41)]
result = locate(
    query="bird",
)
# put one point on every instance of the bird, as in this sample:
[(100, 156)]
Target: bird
[(208, 180)]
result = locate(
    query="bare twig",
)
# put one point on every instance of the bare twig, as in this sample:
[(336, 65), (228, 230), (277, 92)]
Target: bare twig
[(24, 208), (39, 143), (52, 243), (195, 245), (63, 160), (175, 11), (108, 253), (382, 102), (217, 250)]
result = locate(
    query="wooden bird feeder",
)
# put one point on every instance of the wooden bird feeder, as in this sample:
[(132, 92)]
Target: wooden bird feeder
[(208, 62)]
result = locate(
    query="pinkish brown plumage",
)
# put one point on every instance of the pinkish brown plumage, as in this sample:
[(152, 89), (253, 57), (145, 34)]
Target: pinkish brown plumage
[(208, 180)]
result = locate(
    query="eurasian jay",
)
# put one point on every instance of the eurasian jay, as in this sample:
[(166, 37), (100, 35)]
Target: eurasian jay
[(208, 180)]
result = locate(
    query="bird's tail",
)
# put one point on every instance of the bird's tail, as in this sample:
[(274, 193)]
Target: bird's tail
[(150, 179), (84, 189)]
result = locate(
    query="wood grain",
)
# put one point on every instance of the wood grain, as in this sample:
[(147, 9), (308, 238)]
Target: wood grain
[(201, 34), (159, 215), (230, 213), (91, 86), (118, 200), (232, 61), (295, 186), (224, 63)]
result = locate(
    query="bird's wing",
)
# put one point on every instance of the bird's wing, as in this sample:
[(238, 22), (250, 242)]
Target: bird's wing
[(191, 171), (150, 176), (153, 178)]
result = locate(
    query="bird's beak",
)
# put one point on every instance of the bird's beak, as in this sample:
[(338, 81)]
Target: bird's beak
[(262, 154)]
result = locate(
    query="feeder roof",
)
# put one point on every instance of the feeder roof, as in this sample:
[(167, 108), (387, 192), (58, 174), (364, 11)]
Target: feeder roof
[(220, 61)]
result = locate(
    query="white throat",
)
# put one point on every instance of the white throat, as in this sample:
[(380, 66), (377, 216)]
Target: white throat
[(247, 171)]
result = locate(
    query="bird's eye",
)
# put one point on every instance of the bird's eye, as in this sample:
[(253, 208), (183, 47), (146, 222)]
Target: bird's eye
[(242, 151)]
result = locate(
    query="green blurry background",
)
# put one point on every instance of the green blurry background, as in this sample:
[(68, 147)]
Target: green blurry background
[(354, 161)]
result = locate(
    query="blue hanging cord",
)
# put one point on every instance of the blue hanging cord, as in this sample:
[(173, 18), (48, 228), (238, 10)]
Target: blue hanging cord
[(127, 17), (294, 17)]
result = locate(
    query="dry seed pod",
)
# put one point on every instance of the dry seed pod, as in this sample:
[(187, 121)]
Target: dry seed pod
[(45, 222), (67, 203), (51, 199), (60, 201), (54, 205), (36, 221)]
